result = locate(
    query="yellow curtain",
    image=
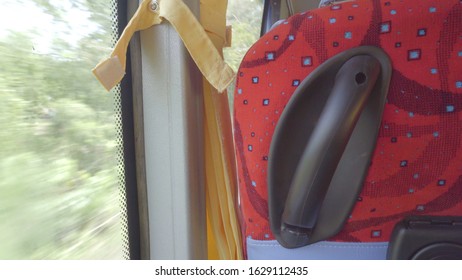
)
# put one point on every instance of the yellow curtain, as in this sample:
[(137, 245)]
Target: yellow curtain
[(223, 225), (205, 42)]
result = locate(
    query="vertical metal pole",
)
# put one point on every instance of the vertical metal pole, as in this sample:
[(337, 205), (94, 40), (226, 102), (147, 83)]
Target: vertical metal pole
[(271, 14), (173, 133), (140, 162), (273, 11)]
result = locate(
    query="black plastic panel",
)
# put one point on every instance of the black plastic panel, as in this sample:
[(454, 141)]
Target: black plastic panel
[(312, 191)]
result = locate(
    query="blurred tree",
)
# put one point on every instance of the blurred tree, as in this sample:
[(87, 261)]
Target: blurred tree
[(59, 187), (245, 16)]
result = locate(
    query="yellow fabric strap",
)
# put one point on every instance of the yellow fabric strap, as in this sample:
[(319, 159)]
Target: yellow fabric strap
[(224, 236), (221, 194), (111, 71)]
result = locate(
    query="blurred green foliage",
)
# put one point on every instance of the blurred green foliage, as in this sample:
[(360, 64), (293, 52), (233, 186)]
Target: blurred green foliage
[(245, 16), (59, 187)]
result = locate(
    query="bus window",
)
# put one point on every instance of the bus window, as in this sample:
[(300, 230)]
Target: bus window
[(61, 157), (245, 17)]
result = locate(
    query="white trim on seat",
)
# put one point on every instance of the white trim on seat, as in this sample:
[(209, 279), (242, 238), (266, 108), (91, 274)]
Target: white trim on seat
[(325, 250)]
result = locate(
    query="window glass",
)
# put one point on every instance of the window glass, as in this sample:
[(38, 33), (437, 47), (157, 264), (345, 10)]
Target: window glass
[(245, 16), (59, 187)]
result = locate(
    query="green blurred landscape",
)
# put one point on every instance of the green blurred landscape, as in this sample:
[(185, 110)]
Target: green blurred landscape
[(59, 187), (245, 17)]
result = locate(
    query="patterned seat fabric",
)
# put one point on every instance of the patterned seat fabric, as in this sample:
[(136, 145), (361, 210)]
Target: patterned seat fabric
[(417, 164)]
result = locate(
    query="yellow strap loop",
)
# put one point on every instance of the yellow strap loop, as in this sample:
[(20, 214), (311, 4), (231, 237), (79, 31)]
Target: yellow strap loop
[(207, 58)]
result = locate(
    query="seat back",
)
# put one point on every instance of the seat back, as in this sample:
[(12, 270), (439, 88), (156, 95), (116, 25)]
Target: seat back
[(417, 163)]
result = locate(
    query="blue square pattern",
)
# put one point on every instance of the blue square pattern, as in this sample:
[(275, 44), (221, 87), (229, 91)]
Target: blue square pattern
[(307, 61), (295, 83), (432, 10), (270, 56), (459, 84), (385, 27), (255, 80), (348, 35), (332, 20), (335, 7), (422, 32), (414, 54), (434, 71), (291, 37), (450, 108), (266, 102)]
